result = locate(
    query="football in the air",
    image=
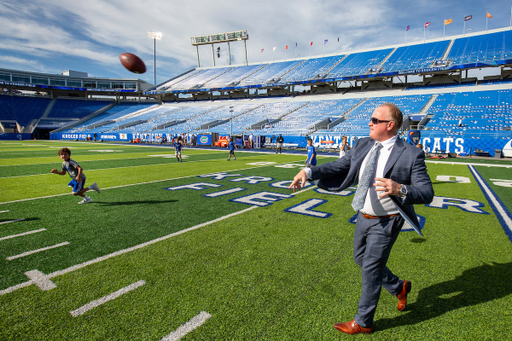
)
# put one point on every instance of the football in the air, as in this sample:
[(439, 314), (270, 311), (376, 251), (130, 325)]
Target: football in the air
[(132, 62)]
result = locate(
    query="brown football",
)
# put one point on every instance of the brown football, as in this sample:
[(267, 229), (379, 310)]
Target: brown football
[(132, 63)]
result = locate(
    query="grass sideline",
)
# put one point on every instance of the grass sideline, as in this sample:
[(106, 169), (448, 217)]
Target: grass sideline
[(262, 274)]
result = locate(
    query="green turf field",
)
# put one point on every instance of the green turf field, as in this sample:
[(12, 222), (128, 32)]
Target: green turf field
[(214, 250)]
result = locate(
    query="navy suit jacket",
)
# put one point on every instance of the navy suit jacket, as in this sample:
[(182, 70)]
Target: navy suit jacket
[(406, 166)]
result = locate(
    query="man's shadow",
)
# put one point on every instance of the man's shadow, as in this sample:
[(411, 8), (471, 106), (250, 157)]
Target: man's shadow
[(474, 286)]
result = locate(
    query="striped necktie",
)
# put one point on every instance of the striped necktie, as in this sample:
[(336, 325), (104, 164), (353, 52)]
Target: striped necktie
[(364, 184)]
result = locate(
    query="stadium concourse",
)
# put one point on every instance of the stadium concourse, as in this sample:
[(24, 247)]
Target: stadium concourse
[(324, 98)]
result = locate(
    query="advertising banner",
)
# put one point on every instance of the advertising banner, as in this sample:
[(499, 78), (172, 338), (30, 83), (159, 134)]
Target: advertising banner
[(204, 139)]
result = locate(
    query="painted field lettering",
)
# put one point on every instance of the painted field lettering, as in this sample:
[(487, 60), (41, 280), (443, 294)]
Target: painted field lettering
[(261, 199), (253, 180), (218, 176), (464, 204), (196, 186), (306, 208)]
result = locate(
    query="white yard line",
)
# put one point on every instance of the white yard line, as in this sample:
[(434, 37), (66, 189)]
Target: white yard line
[(28, 253), (11, 221), (120, 252), (192, 324), (96, 303), (22, 234)]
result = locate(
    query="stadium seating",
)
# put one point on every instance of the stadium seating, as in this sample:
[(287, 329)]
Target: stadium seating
[(304, 119), (22, 109), (67, 108), (472, 51), (483, 113), (481, 50), (358, 64), (112, 114), (232, 77), (257, 116), (271, 73), (310, 69), (190, 118), (356, 123), (414, 58), (200, 78)]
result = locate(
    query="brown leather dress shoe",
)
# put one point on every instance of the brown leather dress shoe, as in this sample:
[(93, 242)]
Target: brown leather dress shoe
[(352, 328), (402, 297)]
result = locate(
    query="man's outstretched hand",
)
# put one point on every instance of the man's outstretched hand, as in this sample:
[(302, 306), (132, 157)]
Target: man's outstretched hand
[(299, 181)]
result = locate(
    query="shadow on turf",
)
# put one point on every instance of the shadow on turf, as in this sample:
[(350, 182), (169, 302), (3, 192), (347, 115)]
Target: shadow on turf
[(134, 202), (482, 284)]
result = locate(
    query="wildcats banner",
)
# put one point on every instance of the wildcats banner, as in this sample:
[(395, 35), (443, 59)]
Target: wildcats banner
[(432, 143)]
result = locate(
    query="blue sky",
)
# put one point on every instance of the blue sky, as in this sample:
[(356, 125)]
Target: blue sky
[(54, 35)]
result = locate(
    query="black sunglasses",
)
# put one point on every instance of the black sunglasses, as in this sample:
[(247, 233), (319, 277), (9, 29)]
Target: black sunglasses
[(377, 121)]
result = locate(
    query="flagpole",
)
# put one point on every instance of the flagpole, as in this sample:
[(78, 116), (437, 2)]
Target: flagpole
[(444, 31), (464, 29), (486, 20), (424, 33)]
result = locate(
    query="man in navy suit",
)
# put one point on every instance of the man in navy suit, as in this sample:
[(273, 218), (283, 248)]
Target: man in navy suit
[(397, 178)]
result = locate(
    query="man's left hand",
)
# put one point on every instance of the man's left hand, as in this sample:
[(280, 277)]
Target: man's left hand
[(388, 186)]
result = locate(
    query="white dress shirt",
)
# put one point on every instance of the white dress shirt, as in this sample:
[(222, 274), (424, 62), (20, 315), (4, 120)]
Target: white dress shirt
[(373, 205)]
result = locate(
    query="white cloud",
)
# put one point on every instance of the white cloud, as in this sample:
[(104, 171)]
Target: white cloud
[(93, 33)]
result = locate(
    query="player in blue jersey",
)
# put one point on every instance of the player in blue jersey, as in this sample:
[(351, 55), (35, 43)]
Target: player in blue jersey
[(77, 176), (231, 146), (177, 148), (311, 160)]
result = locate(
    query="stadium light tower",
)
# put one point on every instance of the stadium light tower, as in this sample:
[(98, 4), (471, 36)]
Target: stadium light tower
[(154, 36), (218, 39)]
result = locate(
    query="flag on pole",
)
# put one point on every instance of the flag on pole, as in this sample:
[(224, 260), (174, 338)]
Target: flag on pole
[(286, 47), (488, 15), (468, 17), (448, 22), (338, 39), (262, 50), (311, 44), (426, 24), (325, 41), (274, 48), (407, 28), (295, 44)]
